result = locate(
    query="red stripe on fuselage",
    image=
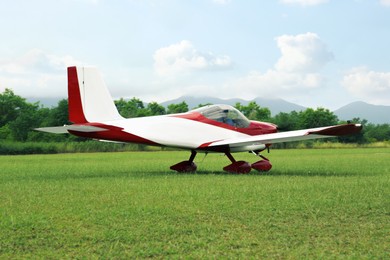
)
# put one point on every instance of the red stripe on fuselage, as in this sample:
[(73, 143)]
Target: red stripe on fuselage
[(75, 107), (113, 133), (255, 128)]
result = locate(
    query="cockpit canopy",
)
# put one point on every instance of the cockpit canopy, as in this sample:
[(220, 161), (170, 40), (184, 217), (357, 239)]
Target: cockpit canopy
[(224, 114)]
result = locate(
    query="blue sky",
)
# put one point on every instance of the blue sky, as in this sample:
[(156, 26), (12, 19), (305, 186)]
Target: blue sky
[(317, 53)]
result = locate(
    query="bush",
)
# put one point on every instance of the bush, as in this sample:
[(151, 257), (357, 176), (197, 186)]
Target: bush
[(19, 148)]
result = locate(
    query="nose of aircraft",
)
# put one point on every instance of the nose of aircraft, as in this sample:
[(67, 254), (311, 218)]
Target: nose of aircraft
[(272, 128), (264, 127)]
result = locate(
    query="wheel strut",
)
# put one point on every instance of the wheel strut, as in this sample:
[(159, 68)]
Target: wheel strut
[(193, 155)]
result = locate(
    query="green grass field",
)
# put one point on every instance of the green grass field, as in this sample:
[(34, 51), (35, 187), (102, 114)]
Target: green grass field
[(313, 204)]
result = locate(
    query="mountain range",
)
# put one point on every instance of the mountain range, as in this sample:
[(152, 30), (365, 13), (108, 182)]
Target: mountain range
[(276, 105), (375, 114)]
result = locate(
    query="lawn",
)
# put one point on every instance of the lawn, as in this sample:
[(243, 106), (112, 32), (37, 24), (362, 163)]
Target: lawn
[(313, 204)]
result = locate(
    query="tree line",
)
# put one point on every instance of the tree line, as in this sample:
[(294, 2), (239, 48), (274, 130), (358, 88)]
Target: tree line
[(18, 118)]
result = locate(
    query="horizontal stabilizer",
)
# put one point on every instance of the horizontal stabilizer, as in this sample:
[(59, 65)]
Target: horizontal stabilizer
[(66, 128)]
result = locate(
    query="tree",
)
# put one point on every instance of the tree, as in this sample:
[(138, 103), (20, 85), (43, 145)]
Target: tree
[(60, 115), (254, 111), (131, 108), (287, 121), (377, 133), (177, 108), (17, 117), (155, 109), (27, 119), (55, 116), (311, 118), (121, 106), (10, 106)]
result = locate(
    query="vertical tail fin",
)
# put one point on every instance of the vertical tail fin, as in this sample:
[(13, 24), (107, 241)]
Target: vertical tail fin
[(89, 99)]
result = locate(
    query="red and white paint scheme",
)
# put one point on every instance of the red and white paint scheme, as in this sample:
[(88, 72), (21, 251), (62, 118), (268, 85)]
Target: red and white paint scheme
[(213, 128)]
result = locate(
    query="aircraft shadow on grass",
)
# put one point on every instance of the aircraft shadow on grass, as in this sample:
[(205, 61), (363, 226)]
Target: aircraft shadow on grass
[(125, 174), (274, 173), (311, 173)]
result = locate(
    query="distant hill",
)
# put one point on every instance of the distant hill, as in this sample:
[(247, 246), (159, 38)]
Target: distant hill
[(276, 105), (372, 113)]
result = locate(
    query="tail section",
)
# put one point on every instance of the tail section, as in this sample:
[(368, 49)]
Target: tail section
[(89, 99)]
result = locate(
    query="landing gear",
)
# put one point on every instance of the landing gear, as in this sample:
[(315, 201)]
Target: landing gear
[(186, 166), (238, 167), (262, 165), (243, 167)]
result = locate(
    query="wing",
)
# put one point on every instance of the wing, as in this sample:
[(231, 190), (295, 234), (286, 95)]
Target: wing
[(313, 133)]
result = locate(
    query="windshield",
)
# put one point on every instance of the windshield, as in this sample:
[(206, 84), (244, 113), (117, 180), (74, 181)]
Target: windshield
[(224, 114)]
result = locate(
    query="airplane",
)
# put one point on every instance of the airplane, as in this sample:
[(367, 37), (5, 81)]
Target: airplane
[(213, 128)]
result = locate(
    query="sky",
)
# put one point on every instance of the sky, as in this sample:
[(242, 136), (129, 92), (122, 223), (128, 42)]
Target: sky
[(316, 53)]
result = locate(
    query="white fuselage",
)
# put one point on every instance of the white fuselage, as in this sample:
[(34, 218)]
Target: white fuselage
[(175, 131)]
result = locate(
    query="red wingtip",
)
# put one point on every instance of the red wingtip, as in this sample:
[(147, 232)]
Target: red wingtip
[(75, 107), (339, 130)]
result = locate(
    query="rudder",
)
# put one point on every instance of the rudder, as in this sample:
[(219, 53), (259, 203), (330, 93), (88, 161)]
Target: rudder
[(88, 97)]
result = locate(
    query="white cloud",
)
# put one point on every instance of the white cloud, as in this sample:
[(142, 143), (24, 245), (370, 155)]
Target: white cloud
[(302, 58), (296, 71), (36, 73), (368, 85), (385, 2), (182, 57), (302, 53), (36, 60), (304, 2)]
